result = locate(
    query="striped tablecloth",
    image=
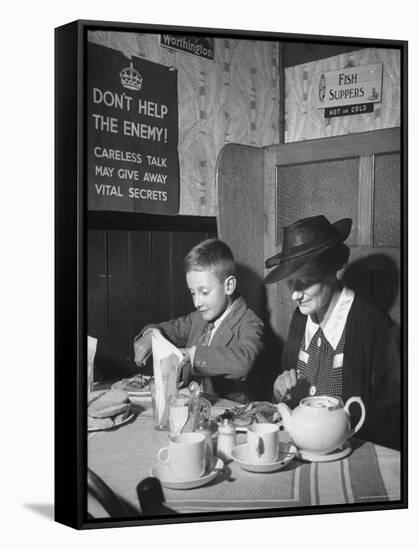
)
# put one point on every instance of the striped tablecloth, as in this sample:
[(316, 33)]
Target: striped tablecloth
[(126, 455)]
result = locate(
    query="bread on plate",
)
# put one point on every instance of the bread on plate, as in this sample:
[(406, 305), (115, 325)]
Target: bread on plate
[(108, 403)]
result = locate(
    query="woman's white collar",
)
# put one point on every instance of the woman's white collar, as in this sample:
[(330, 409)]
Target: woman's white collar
[(334, 327)]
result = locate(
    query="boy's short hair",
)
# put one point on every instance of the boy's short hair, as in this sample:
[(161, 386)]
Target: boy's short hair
[(211, 255)]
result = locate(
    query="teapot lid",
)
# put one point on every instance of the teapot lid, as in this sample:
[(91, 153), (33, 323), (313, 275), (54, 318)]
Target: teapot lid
[(323, 402)]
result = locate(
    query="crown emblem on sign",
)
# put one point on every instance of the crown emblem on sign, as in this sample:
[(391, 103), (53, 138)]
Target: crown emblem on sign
[(131, 78)]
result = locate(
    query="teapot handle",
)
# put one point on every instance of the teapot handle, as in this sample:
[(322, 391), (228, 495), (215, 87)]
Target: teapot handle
[(363, 413)]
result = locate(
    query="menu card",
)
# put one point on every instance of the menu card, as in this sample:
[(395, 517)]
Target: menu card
[(166, 358), (91, 352)]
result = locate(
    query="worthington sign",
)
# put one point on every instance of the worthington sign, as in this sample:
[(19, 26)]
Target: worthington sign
[(195, 45)]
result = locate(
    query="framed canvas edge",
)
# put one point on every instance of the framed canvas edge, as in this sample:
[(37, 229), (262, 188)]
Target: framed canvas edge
[(68, 282), (153, 28), (70, 278), (404, 274)]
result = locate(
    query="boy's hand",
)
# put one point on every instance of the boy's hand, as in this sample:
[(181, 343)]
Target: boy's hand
[(184, 368), (186, 356), (142, 349)]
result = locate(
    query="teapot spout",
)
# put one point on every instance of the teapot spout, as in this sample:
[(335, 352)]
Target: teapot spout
[(286, 414)]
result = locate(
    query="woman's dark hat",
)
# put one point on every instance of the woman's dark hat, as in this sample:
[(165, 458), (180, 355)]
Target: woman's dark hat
[(303, 241)]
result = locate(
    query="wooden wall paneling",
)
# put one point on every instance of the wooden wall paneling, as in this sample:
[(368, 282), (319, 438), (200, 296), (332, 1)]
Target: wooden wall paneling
[(180, 299), (149, 222), (161, 272), (118, 303), (328, 188), (274, 341), (285, 309), (365, 201), (374, 267), (271, 221), (392, 253), (356, 145), (375, 274), (97, 296), (239, 177), (387, 200), (140, 284), (385, 292)]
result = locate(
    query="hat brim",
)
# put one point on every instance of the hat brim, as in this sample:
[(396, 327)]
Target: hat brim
[(288, 267), (289, 262), (342, 227)]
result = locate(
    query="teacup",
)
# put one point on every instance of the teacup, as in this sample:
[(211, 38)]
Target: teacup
[(263, 443), (185, 456)]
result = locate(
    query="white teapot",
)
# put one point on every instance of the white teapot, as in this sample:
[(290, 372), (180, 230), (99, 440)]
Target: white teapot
[(320, 424)]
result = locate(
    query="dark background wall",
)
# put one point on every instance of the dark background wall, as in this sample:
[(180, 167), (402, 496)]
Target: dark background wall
[(135, 276)]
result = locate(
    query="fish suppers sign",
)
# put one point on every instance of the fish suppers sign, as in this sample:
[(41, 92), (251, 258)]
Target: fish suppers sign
[(349, 91), (132, 122)]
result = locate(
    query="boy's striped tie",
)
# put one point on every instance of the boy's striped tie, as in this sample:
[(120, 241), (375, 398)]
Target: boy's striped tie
[(205, 337)]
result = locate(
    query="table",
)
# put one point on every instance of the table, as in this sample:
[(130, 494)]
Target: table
[(125, 455)]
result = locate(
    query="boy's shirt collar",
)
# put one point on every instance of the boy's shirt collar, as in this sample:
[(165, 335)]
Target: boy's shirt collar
[(217, 323)]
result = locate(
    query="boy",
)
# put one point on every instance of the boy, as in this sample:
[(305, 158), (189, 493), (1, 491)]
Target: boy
[(223, 338)]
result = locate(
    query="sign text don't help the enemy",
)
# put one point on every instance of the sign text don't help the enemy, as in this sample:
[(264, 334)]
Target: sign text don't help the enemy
[(133, 134)]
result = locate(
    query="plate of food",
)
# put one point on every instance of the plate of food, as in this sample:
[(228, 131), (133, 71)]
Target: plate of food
[(136, 386), (108, 409), (255, 411)]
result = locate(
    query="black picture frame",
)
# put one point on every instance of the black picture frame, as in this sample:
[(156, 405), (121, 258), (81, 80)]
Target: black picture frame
[(72, 221)]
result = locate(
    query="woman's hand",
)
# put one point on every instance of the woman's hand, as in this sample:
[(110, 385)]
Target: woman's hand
[(284, 383)]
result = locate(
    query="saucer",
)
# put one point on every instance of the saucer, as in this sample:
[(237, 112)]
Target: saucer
[(286, 454), (338, 454), (162, 472)]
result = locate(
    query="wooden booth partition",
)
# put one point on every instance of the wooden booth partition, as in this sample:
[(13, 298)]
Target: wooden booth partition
[(262, 189), (135, 276), (356, 176), (240, 177)]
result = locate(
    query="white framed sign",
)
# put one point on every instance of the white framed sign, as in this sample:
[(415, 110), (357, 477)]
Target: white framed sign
[(349, 86)]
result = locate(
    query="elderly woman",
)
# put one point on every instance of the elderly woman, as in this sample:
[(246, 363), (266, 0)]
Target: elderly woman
[(338, 344)]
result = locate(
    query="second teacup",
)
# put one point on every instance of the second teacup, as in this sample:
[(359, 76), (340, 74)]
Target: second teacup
[(185, 456), (263, 443)]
